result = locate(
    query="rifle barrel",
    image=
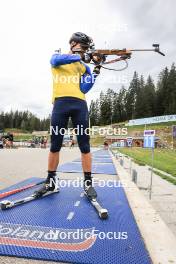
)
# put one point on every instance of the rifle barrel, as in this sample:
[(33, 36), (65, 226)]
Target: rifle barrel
[(143, 49), (156, 50)]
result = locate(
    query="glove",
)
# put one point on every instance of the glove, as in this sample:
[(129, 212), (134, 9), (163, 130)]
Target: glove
[(96, 69)]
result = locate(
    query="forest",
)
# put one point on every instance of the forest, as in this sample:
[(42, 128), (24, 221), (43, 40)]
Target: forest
[(141, 99), (23, 120)]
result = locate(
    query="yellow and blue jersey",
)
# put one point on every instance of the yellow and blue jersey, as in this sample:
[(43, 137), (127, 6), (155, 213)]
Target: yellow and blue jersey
[(71, 77)]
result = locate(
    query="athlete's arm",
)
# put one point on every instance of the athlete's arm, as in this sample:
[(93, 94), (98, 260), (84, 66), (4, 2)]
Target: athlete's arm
[(87, 80), (61, 59)]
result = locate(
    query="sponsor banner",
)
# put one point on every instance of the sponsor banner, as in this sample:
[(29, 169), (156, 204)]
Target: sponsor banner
[(129, 141), (151, 120), (149, 132), (46, 237)]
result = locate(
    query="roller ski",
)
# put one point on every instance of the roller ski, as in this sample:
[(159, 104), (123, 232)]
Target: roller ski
[(48, 188), (50, 185), (91, 194), (9, 204)]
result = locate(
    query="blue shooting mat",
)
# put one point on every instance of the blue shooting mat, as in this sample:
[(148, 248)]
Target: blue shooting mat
[(97, 160), (101, 152), (101, 156), (98, 168), (33, 230)]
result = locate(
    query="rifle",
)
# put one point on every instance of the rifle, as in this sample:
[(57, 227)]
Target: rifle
[(99, 56)]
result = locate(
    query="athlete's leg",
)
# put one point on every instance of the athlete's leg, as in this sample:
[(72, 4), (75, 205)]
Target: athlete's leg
[(80, 119), (53, 161), (86, 162), (59, 122)]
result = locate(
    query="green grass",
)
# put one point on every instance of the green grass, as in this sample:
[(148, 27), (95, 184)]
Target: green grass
[(164, 160), (151, 126), (97, 141), (22, 137), (19, 134), (15, 130)]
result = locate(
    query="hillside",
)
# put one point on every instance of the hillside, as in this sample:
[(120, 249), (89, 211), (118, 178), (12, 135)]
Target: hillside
[(163, 131)]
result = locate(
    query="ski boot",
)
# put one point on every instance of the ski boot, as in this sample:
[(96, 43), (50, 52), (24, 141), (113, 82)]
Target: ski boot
[(50, 185), (88, 188), (91, 195)]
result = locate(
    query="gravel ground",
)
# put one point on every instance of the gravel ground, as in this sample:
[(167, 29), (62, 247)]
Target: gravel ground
[(20, 164), (163, 193)]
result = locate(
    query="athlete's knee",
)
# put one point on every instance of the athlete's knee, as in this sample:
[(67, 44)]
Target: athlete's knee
[(55, 146), (55, 149), (84, 148)]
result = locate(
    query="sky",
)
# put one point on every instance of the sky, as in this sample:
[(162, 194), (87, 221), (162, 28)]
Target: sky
[(31, 30)]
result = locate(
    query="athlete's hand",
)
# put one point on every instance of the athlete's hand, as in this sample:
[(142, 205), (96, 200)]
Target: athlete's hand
[(96, 69), (96, 59)]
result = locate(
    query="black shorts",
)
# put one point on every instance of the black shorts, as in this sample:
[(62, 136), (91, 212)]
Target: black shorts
[(76, 109)]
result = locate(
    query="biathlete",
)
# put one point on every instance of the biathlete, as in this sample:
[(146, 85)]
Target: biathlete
[(69, 101)]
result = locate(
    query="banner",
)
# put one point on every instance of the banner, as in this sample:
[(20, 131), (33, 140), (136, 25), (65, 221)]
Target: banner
[(151, 120)]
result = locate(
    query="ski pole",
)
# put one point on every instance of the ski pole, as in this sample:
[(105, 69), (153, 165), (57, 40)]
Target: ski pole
[(5, 194)]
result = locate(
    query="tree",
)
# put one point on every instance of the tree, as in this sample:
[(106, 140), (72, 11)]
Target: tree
[(23, 125), (131, 96), (2, 121), (139, 109), (161, 93), (23, 120), (170, 98), (94, 113), (119, 113), (106, 107), (149, 98)]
